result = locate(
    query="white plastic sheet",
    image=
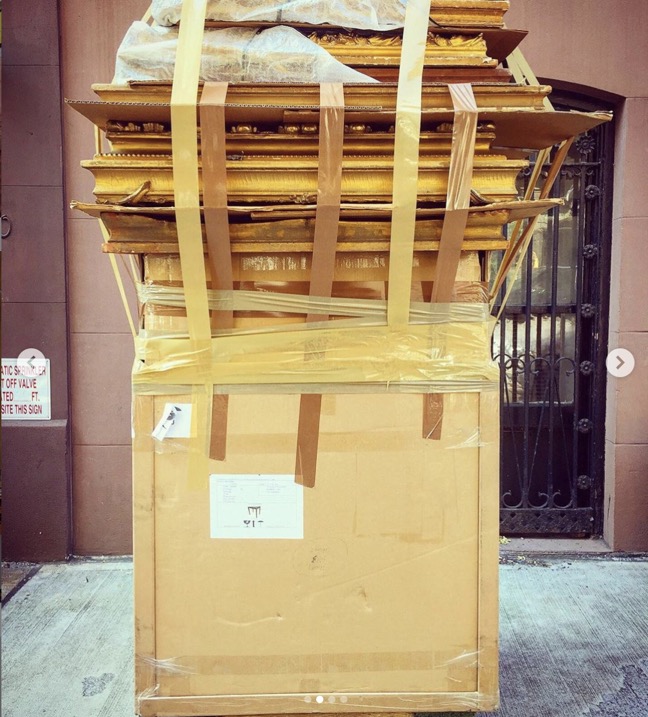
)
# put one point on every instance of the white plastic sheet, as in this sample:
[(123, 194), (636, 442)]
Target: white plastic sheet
[(360, 14), (236, 54)]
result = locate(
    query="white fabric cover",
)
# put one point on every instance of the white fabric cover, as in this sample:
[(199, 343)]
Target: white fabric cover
[(360, 14), (278, 54)]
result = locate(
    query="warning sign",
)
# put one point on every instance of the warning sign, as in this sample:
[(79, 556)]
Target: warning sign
[(26, 392)]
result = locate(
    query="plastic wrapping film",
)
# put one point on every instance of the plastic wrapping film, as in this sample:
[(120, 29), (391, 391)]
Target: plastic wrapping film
[(378, 591), (359, 14), (236, 54), (439, 354), (266, 301), (313, 611)]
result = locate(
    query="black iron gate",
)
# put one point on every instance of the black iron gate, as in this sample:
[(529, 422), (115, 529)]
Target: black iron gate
[(551, 344)]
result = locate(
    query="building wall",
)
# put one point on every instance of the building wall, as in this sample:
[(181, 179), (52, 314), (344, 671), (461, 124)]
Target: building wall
[(101, 345), (35, 456), (595, 44), (601, 45)]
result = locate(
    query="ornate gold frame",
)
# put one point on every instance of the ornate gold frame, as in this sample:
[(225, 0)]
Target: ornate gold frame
[(295, 179), (249, 140), (371, 96), (353, 48)]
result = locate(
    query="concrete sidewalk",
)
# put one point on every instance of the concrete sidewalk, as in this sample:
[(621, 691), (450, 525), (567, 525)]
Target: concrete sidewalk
[(574, 639)]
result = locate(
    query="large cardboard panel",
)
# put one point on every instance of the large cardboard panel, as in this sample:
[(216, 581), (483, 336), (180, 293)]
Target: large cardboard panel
[(389, 595)]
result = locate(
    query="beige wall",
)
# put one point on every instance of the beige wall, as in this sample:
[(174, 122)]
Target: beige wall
[(101, 347), (602, 44), (594, 43)]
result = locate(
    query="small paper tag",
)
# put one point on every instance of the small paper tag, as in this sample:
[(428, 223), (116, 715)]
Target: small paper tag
[(256, 506), (175, 422)]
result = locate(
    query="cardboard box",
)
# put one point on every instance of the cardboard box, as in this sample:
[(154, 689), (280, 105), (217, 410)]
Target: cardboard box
[(378, 593)]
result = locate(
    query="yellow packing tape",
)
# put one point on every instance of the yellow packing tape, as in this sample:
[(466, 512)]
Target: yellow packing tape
[(406, 159), (185, 167), (452, 352), (188, 220), (319, 307), (464, 134)]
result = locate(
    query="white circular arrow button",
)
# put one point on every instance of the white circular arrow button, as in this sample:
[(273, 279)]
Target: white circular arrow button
[(30, 362), (620, 363)]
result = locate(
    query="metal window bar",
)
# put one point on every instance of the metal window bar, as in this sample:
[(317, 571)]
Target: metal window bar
[(552, 335)]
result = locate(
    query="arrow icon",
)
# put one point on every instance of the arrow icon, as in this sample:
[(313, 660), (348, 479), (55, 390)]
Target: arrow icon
[(620, 363), (29, 360)]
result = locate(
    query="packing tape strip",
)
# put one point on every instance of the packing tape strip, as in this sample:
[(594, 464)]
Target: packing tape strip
[(120, 285), (329, 189), (460, 384), (406, 159), (456, 353), (184, 141), (219, 254), (523, 74), (420, 661), (185, 167), (464, 134), (148, 15), (214, 169), (371, 309), (462, 154), (327, 218)]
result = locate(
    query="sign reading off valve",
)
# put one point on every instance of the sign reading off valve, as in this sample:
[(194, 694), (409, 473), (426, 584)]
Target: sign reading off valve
[(26, 389)]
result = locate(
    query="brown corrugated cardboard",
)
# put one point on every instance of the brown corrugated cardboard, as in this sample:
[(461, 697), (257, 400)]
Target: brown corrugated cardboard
[(387, 601)]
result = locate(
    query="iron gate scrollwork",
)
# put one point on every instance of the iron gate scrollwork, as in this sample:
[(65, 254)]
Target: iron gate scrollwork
[(551, 343)]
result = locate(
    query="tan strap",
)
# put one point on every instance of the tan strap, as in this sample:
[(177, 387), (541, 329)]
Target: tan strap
[(432, 416), (327, 217), (523, 74), (148, 15), (219, 254), (406, 161), (186, 189), (214, 174), (464, 134)]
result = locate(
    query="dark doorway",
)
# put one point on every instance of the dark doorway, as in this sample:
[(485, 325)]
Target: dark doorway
[(551, 344)]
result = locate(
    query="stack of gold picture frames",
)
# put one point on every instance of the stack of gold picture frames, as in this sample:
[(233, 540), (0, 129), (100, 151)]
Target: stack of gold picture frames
[(272, 149), (281, 164)]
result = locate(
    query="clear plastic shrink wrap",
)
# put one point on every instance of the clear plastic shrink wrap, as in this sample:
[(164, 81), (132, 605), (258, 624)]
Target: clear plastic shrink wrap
[(236, 54), (359, 14)]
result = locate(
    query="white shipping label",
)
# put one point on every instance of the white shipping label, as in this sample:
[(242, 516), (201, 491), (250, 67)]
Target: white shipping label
[(256, 506), (175, 422)]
